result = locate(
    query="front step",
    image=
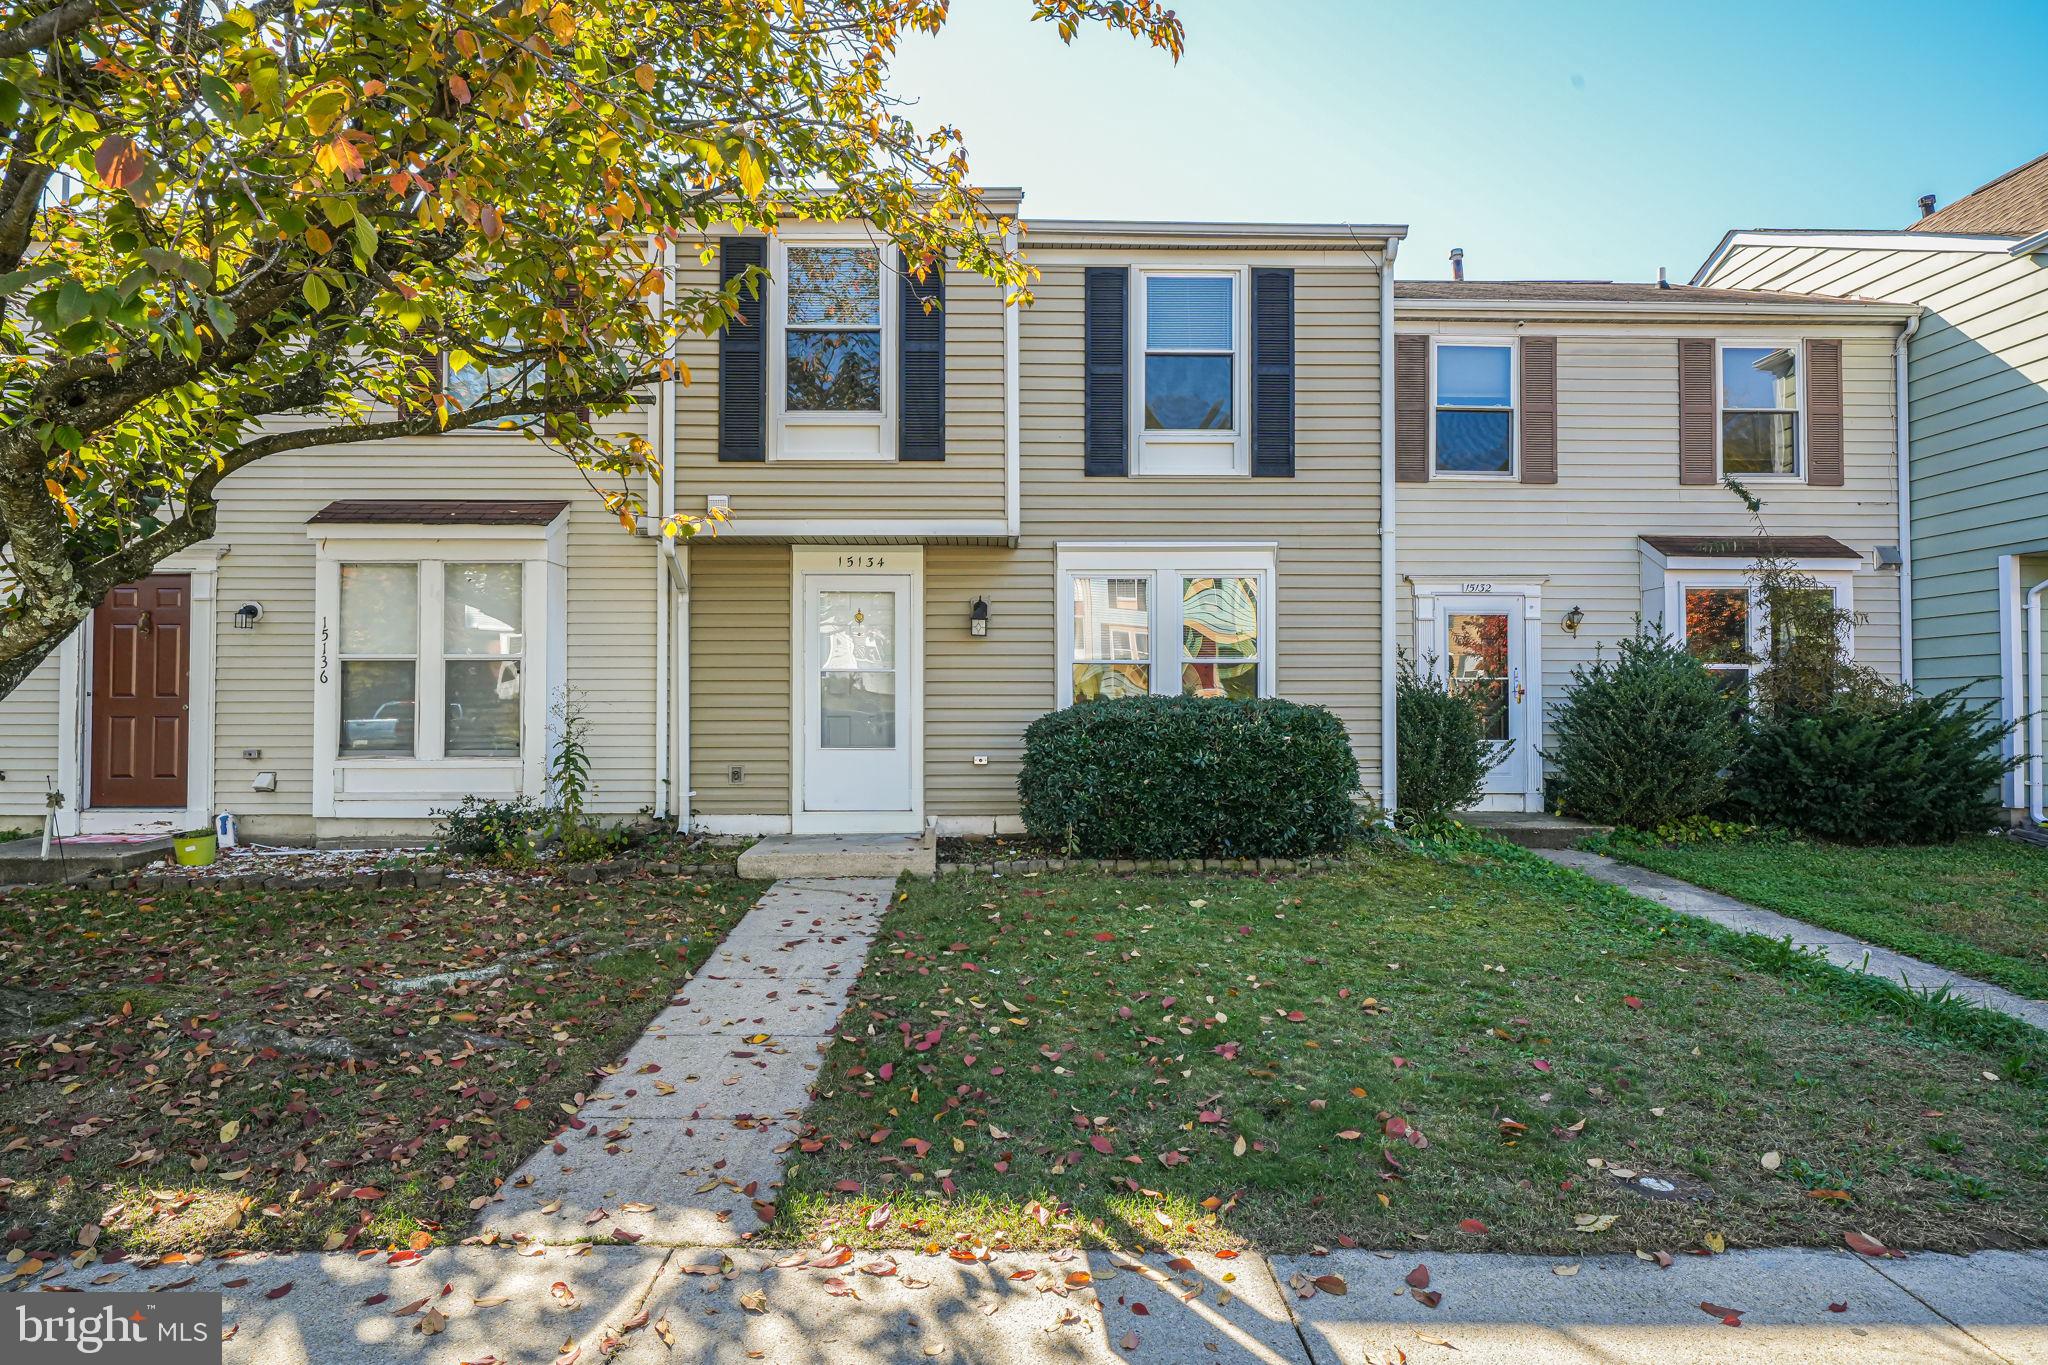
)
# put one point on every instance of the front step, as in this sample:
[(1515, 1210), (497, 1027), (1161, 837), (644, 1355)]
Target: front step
[(840, 855), (22, 862), (1531, 829)]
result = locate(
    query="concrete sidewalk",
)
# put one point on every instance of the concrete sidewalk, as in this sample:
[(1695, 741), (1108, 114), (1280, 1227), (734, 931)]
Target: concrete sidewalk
[(1841, 949), (643, 1305)]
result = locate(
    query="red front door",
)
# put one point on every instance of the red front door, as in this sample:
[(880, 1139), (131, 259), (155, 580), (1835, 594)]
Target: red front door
[(141, 706)]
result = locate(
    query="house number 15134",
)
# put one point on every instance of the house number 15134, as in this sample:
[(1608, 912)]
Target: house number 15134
[(863, 561)]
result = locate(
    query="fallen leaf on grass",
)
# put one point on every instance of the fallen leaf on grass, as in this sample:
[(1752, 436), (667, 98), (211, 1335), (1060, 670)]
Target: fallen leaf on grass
[(1472, 1226), (1769, 1161)]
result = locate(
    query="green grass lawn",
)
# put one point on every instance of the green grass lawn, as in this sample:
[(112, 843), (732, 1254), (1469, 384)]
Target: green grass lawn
[(200, 1070), (1078, 1059), (1979, 906)]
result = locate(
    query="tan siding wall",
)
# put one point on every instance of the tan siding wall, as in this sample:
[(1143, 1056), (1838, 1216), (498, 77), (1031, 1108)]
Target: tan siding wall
[(981, 693), (264, 677), (1618, 479), (739, 678), (967, 484)]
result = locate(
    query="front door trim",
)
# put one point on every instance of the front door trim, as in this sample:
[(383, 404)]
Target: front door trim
[(1427, 596), (74, 709), (881, 561)]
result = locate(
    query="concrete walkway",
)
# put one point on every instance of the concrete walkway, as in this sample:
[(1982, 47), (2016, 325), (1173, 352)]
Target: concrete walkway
[(671, 1305), (684, 1144), (1841, 949)]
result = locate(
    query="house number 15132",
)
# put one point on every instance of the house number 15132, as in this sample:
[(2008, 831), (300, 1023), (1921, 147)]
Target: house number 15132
[(863, 561)]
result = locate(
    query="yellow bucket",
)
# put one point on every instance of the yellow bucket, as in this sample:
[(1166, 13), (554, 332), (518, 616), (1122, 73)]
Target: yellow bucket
[(196, 849)]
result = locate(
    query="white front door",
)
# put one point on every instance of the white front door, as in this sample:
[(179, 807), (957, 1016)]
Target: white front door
[(1480, 655), (857, 713)]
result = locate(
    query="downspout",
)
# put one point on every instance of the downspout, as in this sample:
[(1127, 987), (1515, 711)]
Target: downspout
[(2036, 799), (675, 598), (1389, 746), (660, 421), (1904, 408), (1013, 500)]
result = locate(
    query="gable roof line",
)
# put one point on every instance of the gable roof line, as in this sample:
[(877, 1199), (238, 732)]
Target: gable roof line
[(1874, 239)]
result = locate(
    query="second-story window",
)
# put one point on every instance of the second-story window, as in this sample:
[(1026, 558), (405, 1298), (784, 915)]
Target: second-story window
[(830, 352), (1759, 411), (1190, 391), (1475, 408)]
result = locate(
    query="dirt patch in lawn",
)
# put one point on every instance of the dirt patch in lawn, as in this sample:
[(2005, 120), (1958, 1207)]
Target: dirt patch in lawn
[(201, 1069), (1460, 1051)]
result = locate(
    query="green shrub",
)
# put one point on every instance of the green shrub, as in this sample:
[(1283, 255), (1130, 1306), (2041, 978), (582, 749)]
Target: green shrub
[(1920, 770), (496, 831), (1188, 777), (1442, 753), (1644, 738)]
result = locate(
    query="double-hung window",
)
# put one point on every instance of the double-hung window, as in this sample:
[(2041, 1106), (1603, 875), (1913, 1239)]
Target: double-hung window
[(1190, 396), (1759, 410), (1474, 426), (1171, 625), (447, 634), (831, 369)]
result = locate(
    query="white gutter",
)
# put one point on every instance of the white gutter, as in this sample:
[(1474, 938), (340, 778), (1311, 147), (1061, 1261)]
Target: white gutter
[(2031, 246), (1816, 309), (1904, 421), (1389, 745), (2036, 798), (1013, 500)]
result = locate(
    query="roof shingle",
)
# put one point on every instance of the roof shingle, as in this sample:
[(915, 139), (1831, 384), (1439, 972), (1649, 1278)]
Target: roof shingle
[(2014, 205), (1751, 547), (444, 512)]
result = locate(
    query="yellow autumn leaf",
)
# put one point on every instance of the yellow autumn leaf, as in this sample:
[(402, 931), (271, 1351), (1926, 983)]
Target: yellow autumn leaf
[(230, 1130)]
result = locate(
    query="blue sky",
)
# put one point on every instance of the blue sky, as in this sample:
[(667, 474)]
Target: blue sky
[(1560, 140)]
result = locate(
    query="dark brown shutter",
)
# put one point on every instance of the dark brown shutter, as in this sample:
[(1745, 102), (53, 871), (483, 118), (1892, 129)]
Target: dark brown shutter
[(921, 367), (743, 357), (1539, 409), (1824, 414), (1105, 344), (1273, 374), (1696, 416), (1411, 409)]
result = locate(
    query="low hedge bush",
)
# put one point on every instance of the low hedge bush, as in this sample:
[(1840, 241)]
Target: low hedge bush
[(1188, 777), (1643, 738), (1908, 771), (1442, 753)]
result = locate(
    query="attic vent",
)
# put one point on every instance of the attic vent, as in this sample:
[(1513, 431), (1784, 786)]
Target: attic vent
[(1926, 205), (1458, 263)]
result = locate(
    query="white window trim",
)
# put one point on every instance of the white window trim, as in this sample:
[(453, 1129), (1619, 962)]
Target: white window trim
[(1238, 439), (1797, 348), (1163, 568), (1514, 470), (414, 786), (1837, 578), (878, 430)]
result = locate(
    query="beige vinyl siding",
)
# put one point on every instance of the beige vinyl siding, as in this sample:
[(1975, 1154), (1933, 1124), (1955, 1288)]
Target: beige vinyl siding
[(28, 748), (966, 485), (1617, 402), (264, 677), (1323, 521), (1979, 389), (981, 693), (739, 678)]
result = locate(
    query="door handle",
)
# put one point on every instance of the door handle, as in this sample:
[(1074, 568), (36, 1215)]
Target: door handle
[(144, 625)]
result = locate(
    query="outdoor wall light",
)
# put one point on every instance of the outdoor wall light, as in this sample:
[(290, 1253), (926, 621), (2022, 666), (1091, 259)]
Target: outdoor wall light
[(1573, 619), (977, 617), (247, 615)]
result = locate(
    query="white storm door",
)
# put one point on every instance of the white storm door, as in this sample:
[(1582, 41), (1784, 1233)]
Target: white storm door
[(860, 637), (1479, 649)]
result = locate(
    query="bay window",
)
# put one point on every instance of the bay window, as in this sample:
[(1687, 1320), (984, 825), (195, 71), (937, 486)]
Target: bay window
[(1184, 622), (477, 647)]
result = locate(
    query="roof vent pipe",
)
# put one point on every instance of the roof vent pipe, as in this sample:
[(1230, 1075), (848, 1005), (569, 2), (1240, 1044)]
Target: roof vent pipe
[(1926, 205), (1458, 263), (1663, 280)]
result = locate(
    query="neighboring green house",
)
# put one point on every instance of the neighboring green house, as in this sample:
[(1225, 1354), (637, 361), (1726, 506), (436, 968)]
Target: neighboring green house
[(1978, 423)]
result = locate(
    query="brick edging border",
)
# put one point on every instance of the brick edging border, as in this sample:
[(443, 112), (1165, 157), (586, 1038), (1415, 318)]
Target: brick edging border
[(1126, 866), (383, 879)]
